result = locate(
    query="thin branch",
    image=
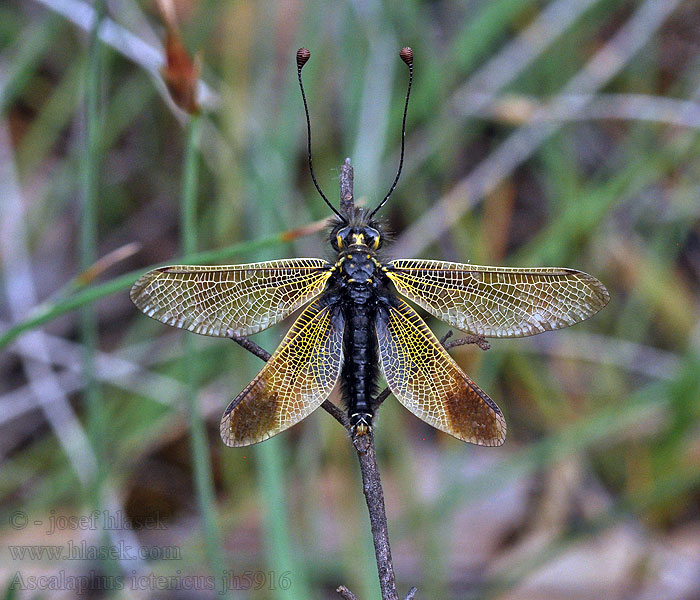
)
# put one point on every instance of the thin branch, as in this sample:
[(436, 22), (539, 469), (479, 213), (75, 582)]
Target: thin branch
[(346, 187), (478, 340), (384, 394), (346, 593), (336, 413), (374, 496), (445, 337), (252, 347)]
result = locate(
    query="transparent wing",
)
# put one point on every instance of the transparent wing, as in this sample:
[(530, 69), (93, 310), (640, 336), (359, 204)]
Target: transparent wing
[(499, 301), (429, 383), (233, 299), (299, 376)]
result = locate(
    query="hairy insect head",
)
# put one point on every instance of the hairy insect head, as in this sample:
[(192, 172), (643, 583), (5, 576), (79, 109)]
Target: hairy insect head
[(358, 230)]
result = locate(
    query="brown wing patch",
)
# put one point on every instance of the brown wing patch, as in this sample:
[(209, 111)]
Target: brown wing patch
[(471, 415), (255, 417), (499, 301), (233, 299), (430, 384), (299, 376)]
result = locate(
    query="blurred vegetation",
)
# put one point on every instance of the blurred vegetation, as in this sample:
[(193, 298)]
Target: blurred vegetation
[(596, 492)]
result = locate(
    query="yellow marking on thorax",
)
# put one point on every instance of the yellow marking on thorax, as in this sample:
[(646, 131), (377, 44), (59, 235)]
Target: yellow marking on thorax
[(378, 264)]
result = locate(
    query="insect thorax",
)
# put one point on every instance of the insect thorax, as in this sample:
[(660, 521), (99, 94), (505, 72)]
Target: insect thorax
[(358, 265)]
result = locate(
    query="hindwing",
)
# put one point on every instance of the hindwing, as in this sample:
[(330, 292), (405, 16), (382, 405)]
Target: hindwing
[(233, 299), (296, 380), (428, 382), (499, 302)]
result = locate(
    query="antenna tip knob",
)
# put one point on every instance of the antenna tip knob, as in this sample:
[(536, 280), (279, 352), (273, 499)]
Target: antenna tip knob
[(406, 55), (303, 56)]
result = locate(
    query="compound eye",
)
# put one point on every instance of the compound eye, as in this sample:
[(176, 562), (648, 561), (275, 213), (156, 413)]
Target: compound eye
[(341, 236), (373, 238)]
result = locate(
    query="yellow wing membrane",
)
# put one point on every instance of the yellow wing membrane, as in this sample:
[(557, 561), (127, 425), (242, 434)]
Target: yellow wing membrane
[(499, 302), (428, 382), (296, 380), (226, 300)]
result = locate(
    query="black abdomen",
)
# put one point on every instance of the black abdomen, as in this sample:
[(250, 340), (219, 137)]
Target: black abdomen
[(360, 368)]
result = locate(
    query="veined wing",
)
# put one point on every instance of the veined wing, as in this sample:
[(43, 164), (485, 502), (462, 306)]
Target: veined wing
[(499, 301), (428, 382), (232, 299), (296, 380)]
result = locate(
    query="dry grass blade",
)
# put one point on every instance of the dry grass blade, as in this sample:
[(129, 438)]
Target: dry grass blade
[(518, 110), (520, 145), (46, 391)]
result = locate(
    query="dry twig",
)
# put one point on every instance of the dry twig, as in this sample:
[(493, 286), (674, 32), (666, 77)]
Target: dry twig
[(346, 593)]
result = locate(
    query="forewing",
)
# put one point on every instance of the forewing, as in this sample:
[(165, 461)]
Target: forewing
[(499, 301), (429, 383), (226, 300), (299, 376)]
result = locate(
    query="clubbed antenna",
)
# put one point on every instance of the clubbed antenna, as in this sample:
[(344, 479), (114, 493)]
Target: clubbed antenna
[(303, 56), (406, 55)]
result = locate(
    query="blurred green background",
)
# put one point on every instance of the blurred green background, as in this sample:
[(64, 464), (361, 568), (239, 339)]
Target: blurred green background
[(561, 133)]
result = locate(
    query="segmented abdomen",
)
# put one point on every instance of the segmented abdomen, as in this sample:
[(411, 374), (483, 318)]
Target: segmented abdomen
[(361, 368)]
